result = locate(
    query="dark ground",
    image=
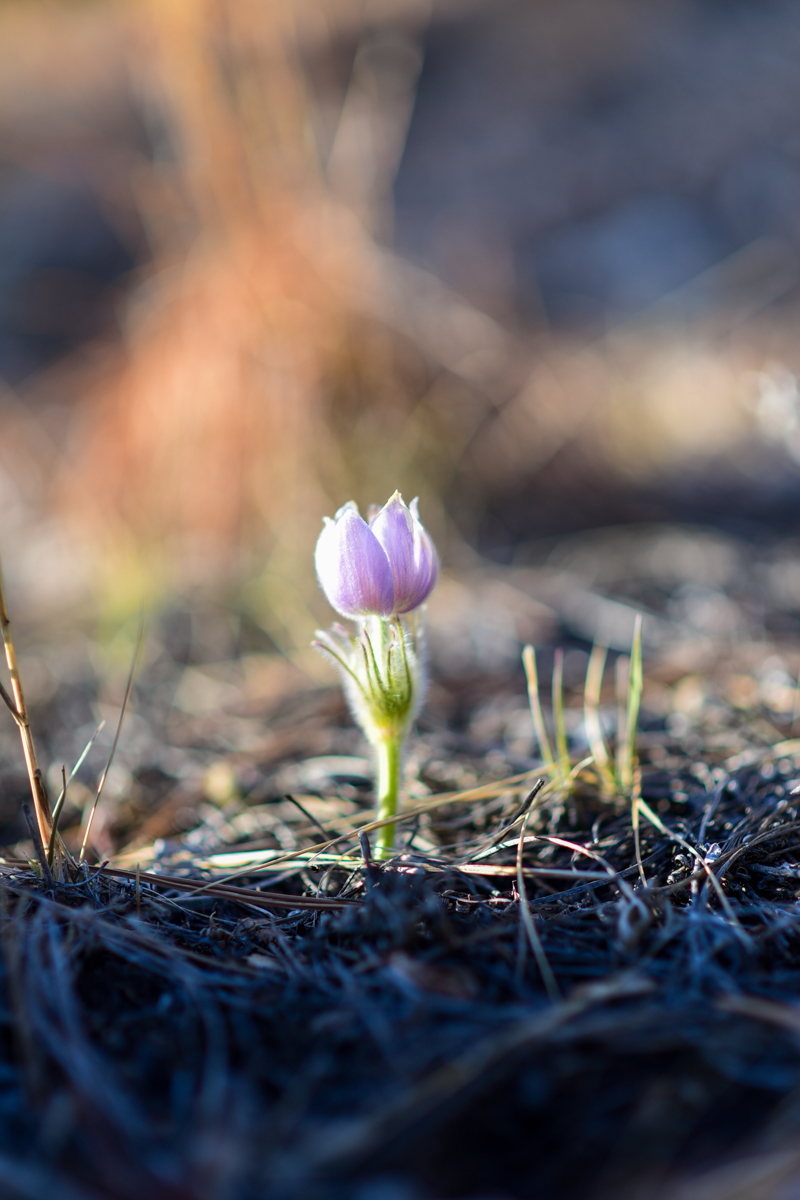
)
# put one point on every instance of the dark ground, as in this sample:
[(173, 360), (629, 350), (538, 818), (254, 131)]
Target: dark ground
[(354, 1032), (384, 1033)]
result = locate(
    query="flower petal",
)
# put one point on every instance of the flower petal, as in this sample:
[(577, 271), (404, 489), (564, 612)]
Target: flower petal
[(352, 567), (410, 552), (430, 557)]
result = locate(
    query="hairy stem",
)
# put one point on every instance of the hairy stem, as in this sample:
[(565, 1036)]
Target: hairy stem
[(388, 752)]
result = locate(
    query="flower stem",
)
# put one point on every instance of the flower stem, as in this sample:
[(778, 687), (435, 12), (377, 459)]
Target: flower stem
[(388, 752)]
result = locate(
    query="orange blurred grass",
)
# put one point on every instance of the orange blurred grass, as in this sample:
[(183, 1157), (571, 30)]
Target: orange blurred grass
[(206, 432), (275, 361)]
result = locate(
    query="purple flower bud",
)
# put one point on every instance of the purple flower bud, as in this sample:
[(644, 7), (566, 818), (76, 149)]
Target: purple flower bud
[(384, 569), (410, 551), (352, 566)]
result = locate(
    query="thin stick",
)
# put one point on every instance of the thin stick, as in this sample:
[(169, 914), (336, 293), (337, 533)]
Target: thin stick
[(9, 703), (529, 662), (41, 805), (128, 688)]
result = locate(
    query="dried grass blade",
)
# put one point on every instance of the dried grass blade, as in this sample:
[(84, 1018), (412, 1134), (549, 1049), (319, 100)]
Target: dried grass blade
[(500, 834), (128, 689), (545, 970), (59, 805)]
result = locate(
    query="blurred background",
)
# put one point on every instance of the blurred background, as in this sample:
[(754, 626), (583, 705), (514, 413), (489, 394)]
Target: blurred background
[(537, 261)]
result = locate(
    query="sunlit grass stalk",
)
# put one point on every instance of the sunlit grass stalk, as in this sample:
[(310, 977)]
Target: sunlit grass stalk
[(19, 710), (614, 777), (532, 677), (591, 714)]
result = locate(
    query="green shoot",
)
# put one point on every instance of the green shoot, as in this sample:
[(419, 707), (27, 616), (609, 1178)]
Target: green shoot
[(626, 734), (622, 675), (614, 777)]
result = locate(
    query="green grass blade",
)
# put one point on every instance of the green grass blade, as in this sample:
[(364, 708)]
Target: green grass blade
[(634, 699)]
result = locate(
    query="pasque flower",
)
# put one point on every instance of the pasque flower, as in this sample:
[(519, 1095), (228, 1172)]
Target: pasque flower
[(378, 575), (383, 569)]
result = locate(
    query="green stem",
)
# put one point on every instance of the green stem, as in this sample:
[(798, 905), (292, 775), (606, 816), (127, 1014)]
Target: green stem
[(388, 752)]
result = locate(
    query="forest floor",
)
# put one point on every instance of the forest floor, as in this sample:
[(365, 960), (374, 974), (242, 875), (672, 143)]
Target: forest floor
[(515, 1007)]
